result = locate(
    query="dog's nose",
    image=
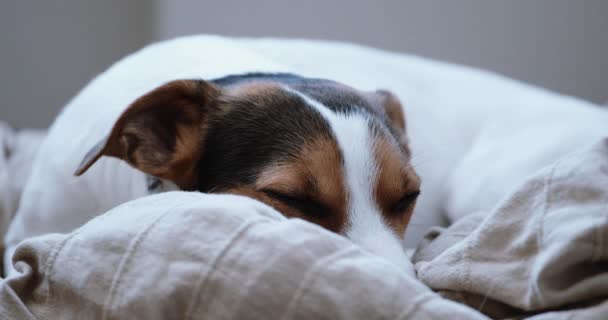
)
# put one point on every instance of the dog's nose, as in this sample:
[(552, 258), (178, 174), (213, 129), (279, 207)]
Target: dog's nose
[(389, 247)]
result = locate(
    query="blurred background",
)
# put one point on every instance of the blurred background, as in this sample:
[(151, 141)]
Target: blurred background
[(51, 49)]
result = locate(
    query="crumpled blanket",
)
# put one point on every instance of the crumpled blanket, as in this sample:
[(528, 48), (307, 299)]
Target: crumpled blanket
[(182, 255), (543, 250)]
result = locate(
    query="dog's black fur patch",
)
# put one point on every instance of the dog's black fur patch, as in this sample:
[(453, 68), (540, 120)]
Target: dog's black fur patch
[(256, 133)]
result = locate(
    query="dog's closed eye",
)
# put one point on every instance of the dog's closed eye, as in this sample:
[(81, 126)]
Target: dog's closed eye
[(303, 204), (405, 202)]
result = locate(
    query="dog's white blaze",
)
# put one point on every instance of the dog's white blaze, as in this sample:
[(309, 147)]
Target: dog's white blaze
[(365, 225)]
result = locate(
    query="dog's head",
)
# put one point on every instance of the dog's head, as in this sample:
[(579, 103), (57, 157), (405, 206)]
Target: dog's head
[(311, 148)]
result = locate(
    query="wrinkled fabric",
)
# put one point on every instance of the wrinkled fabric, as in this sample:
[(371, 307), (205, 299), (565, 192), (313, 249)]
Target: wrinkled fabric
[(185, 255), (545, 247)]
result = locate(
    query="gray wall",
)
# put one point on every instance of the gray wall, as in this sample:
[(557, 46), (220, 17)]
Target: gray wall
[(558, 44), (50, 49)]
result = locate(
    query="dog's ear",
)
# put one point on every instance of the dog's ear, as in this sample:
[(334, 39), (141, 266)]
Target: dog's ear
[(392, 108), (393, 111), (162, 132)]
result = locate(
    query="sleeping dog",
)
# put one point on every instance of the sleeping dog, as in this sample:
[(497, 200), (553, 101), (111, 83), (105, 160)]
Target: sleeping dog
[(311, 148)]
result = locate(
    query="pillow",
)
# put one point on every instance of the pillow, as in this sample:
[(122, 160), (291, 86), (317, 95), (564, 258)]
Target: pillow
[(195, 256)]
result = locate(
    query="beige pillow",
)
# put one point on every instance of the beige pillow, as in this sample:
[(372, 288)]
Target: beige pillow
[(181, 255)]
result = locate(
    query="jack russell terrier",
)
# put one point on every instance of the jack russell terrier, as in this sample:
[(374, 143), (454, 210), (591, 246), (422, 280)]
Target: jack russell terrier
[(314, 149)]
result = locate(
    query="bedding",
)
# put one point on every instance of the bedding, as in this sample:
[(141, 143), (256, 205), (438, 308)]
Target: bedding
[(498, 246), (181, 255), (543, 249), (540, 254)]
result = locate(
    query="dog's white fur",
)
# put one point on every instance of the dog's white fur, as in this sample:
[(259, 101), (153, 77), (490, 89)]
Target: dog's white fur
[(365, 225), (474, 135)]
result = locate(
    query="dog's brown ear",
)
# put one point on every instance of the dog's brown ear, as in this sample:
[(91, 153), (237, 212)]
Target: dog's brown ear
[(392, 108), (162, 132)]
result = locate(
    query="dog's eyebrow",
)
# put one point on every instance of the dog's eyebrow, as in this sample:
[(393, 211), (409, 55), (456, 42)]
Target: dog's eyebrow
[(310, 183)]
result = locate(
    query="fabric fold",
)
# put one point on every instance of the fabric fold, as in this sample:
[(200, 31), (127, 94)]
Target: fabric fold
[(542, 248)]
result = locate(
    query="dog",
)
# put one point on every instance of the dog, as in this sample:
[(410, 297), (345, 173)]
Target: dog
[(314, 149)]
